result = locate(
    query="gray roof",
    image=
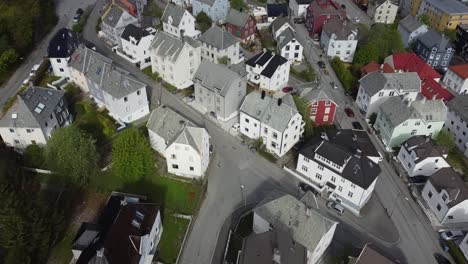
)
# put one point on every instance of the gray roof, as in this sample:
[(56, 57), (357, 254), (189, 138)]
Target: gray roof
[(216, 77), (237, 18), (317, 93), (449, 6), (424, 148), (286, 213), (168, 46), (398, 111), (459, 105), (403, 82), (267, 111), (448, 179), (112, 16), (278, 23), (341, 28), (285, 37), (218, 38), (32, 108), (410, 23), (206, 2), (113, 80), (433, 38), (192, 136), (239, 68), (174, 11)]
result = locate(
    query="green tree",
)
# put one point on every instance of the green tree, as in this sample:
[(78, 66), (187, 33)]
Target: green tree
[(303, 109), (34, 156), (223, 60), (132, 157), (204, 21), (239, 5), (72, 154), (7, 59), (344, 74), (451, 34), (425, 19), (446, 139)]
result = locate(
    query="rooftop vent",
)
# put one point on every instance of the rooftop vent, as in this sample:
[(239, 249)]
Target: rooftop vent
[(136, 224), (140, 215)]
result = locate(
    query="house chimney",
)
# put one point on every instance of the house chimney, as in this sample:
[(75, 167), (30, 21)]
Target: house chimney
[(263, 95), (182, 35), (434, 97), (280, 101)]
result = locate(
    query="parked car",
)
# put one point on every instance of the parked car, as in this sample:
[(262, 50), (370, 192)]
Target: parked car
[(26, 81), (321, 64), (357, 125), (336, 207), (418, 179), (307, 188), (349, 112), (451, 235), (34, 70), (441, 259), (333, 85), (287, 89), (357, 19), (78, 15), (235, 127)]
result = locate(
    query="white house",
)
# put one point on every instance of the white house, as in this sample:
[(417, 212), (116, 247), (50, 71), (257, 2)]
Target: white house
[(342, 165), (114, 21), (420, 156), (410, 28), (382, 11), (109, 86), (216, 9), (275, 121), (376, 87), (176, 60), (135, 46), (129, 230), (299, 7), (268, 70), (218, 44), (446, 195), (185, 146), (339, 38), (60, 49), (456, 78), (279, 25), (290, 48), (399, 119), (219, 90), (34, 116), (283, 213), (457, 121), (178, 22)]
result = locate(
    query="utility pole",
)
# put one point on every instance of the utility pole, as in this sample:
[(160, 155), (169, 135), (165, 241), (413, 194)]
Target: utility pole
[(243, 195)]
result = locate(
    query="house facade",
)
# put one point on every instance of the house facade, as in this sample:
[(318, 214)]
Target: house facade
[(290, 48), (410, 28), (446, 195), (435, 49), (219, 90), (129, 230), (135, 46), (60, 49), (321, 107), (420, 156), (339, 38), (461, 41), (376, 87), (442, 14), (185, 146), (34, 116), (275, 121), (382, 11), (298, 8), (215, 9), (398, 119), (312, 231), (268, 70), (457, 122), (456, 78), (241, 25), (342, 165), (279, 25), (109, 86), (178, 22), (218, 45), (176, 60), (114, 21), (319, 12)]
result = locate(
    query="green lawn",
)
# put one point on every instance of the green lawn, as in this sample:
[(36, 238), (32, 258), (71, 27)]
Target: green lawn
[(61, 253), (155, 76), (97, 123), (173, 233), (48, 79), (267, 39)]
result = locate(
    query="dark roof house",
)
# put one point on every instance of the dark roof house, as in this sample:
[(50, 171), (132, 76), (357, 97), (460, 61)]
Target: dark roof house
[(63, 44)]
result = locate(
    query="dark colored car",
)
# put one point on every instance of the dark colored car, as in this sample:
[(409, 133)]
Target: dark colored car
[(357, 125), (441, 259), (321, 64), (78, 15), (307, 188), (349, 112), (287, 89), (417, 179)]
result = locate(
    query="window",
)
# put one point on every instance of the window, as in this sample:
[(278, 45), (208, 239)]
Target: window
[(328, 103), (353, 185), (429, 194), (125, 99), (287, 48), (409, 165), (318, 176), (247, 120), (304, 168), (392, 93), (438, 207), (59, 60), (313, 111), (61, 70), (12, 130), (340, 189), (138, 92), (46, 124), (191, 168), (450, 217), (297, 47), (265, 130), (350, 194), (175, 166), (173, 156), (429, 126), (333, 178), (444, 197), (246, 129), (417, 123), (320, 167), (275, 135), (17, 141), (325, 118), (413, 132)]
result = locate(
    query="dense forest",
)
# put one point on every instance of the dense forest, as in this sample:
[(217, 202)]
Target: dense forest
[(22, 23)]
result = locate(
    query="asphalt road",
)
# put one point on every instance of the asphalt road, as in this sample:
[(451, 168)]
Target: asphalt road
[(65, 10), (353, 11)]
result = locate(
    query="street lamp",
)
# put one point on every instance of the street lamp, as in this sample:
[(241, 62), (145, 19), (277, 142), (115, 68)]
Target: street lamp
[(243, 195)]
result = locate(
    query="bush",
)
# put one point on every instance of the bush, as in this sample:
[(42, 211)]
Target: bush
[(34, 156), (223, 60), (305, 75), (301, 105), (41, 72), (171, 88), (203, 21), (98, 24), (344, 74), (153, 75), (456, 253)]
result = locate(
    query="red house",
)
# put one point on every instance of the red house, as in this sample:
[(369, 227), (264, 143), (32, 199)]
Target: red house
[(410, 62), (241, 25), (322, 108), (433, 90), (319, 12)]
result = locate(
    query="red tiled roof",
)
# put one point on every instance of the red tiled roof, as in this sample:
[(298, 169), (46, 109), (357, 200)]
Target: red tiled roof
[(370, 67), (387, 68), (433, 90), (460, 70), (412, 63)]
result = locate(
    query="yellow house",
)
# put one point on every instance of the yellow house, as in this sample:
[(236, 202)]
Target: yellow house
[(442, 14)]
